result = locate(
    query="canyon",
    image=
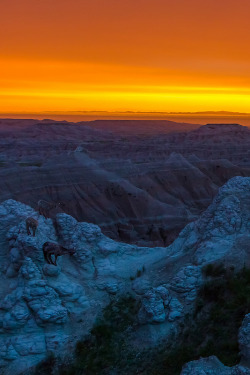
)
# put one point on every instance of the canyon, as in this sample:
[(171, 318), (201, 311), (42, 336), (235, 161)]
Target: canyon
[(157, 214), (140, 181)]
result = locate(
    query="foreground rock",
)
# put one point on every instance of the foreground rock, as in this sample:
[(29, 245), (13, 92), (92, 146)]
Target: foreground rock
[(212, 366), (46, 309)]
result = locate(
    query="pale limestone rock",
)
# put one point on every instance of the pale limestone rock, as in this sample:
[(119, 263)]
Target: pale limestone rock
[(51, 270), (29, 344), (153, 309), (213, 237), (140, 286), (206, 366), (175, 309), (187, 282), (158, 305), (42, 305)]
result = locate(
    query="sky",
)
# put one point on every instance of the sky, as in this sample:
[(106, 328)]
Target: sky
[(64, 56)]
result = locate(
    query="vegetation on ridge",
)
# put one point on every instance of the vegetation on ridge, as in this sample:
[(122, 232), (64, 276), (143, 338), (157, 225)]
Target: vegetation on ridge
[(212, 329)]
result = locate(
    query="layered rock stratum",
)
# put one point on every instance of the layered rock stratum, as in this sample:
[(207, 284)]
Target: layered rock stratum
[(141, 182)]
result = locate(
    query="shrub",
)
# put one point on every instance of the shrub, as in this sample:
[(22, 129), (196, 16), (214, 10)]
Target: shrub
[(211, 330), (214, 270), (47, 366), (104, 348), (139, 273)]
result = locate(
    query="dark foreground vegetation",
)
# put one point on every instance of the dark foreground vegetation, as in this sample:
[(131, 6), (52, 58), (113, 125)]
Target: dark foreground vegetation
[(212, 329)]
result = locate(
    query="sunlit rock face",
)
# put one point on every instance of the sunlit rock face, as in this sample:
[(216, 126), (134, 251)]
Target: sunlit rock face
[(46, 308)]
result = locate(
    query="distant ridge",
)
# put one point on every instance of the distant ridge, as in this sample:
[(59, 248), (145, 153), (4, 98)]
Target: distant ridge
[(201, 118), (50, 113)]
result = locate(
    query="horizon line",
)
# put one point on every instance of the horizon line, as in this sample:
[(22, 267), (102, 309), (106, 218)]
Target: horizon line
[(210, 112)]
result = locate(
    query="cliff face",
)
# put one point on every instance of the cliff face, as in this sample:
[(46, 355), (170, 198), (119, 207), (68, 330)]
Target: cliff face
[(46, 308)]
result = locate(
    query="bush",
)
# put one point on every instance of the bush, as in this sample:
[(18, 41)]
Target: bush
[(47, 366), (213, 270), (139, 273), (106, 345), (212, 329)]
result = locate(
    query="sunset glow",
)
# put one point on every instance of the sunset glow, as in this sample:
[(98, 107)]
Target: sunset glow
[(143, 55)]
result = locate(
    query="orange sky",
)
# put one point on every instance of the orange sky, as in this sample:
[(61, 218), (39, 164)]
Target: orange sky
[(124, 55)]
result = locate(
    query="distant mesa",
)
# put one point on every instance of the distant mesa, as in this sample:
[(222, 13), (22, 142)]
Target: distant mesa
[(212, 126), (222, 128), (224, 125)]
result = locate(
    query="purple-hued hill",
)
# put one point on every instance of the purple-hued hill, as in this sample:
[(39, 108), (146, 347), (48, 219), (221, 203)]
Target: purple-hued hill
[(140, 181)]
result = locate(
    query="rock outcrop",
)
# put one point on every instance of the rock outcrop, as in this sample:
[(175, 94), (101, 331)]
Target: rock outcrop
[(46, 308), (222, 232), (212, 366)]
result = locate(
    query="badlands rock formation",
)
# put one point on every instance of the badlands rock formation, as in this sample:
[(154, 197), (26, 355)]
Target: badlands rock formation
[(140, 182), (46, 309)]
